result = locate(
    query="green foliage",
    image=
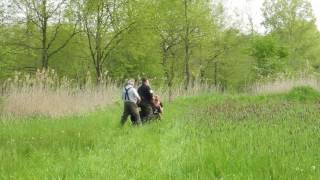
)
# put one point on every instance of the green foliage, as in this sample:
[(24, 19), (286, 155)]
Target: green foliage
[(293, 23), (269, 55), (303, 94), (148, 38), (282, 15), (207, 137), (73, 60)]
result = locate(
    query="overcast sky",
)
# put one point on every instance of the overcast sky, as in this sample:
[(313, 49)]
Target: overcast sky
[(240, 9)]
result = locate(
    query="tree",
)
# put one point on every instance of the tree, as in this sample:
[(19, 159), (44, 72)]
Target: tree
[(103, 23), (2, 19), (47, 17), (186, 40), (269, 55), (284, 15), (212, 47), (293, 23), (169, 28)]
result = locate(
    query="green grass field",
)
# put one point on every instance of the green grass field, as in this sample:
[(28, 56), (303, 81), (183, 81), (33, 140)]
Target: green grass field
[(207, 137)]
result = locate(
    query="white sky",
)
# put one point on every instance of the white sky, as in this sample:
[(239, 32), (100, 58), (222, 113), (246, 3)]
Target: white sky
[(241, 9)]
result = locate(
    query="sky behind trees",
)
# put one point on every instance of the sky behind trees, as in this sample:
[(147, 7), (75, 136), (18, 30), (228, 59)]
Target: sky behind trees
[(240, 10)]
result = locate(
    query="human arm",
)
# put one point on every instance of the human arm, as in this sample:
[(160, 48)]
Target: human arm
[(136, 94), (149, 93)]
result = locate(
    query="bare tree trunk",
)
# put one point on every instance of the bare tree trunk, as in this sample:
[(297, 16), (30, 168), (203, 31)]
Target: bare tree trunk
[(44, 35), (165, 60), (98, 74), (167, 70), (215, 73), (187, 46), (170, 81)]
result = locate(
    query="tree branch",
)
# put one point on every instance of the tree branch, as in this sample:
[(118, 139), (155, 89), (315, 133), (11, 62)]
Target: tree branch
[(115, 37), (23, 45), (88, 33), (50, 14), (54, 35), (66, 42)]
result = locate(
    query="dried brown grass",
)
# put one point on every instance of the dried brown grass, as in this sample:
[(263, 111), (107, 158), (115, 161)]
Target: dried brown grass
[(283, 84), (57, 103), (47, 95), (179, 91)]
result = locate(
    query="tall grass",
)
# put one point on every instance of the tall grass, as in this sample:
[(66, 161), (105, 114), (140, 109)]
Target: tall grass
[(284, 83), (178, 91), (48, 95), (44, 93), (206, 137)]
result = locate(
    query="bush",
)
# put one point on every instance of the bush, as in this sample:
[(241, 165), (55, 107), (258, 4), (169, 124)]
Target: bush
[(303, 94)]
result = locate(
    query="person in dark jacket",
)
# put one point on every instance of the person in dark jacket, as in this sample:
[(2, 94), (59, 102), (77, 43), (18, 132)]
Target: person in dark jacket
[(146, 95)]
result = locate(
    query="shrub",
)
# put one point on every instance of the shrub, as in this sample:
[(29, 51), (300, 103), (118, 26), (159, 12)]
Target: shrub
[(303, 94)]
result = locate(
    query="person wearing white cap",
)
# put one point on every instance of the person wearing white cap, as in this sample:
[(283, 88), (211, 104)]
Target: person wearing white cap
[(130, 98)]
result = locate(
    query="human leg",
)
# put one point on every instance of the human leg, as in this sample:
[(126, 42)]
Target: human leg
[(148, 112), (126, 113), (134, 114)]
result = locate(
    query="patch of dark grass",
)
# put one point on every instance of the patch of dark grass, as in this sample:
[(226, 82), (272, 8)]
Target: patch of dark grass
[(303, 94), (301, 103)]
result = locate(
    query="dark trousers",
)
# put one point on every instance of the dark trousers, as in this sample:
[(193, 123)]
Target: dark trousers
[(130, 109), (146, 111)]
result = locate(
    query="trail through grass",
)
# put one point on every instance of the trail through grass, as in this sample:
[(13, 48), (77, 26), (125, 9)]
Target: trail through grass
[(206, 137)]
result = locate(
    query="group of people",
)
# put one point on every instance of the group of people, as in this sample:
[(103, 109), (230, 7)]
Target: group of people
[(141, 105)]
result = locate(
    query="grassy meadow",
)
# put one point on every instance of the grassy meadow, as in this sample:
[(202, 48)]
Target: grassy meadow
[(211, 136)]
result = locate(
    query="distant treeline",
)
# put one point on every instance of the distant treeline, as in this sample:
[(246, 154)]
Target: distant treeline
[(169, 41)]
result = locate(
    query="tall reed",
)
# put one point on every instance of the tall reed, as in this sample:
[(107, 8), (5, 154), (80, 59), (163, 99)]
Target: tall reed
[(44, 93), (284, 83), (47, 94)]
